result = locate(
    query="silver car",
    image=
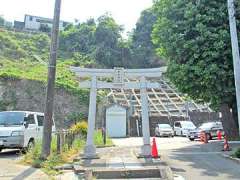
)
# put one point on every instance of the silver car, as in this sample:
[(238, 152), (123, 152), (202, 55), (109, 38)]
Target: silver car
[(164, 130)]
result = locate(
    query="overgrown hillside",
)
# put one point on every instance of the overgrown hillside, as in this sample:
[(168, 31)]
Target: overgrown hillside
[(23, 76), (18, 46), (94, 43)]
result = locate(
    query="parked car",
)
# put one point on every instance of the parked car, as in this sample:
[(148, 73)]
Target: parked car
[(164, 130), (20, 129), (210, 128), (182, 128)]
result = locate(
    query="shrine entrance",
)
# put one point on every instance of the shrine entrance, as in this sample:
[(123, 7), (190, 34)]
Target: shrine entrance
[(119, 77)]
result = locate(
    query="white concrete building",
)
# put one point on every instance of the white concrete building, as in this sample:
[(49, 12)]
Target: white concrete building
[(35, 22), (116, 121)]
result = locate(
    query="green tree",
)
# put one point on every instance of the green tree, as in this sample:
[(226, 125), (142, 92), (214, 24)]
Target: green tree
[(194, 37), (79, 38), (143, 53), (107, 36), (1, 21)]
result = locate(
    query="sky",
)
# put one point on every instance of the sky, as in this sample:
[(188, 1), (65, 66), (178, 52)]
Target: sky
[(125, 12)]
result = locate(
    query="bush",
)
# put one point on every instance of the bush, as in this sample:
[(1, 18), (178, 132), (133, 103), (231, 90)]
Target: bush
[(33, 157), (237, 153), (80, 128)]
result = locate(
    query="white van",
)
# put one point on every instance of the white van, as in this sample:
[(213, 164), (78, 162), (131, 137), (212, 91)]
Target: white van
[(20, 129), (182, 128)]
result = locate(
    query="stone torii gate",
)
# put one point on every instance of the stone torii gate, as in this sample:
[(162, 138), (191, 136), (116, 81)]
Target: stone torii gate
[(118, 75)]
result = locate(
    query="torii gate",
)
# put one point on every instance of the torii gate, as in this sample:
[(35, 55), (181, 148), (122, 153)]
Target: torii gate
[(118, 75)]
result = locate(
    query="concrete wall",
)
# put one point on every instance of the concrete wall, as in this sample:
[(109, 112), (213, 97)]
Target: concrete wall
[(30, 96)]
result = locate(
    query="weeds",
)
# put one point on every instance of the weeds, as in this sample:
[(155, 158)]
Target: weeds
[(33, 157)]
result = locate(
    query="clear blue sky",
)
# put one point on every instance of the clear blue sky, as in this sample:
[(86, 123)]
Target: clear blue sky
[(125, 12)]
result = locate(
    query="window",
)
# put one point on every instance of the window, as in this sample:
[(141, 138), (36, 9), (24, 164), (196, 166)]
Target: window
[(11, 118), (30, 119), (177, 124), (30, 18), (40, 120)]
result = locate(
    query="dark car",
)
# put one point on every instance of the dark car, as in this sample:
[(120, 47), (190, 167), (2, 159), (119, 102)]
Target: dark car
[(210, 128)]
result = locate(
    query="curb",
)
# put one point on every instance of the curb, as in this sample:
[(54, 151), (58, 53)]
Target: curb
[(237, 160), (105, 146)]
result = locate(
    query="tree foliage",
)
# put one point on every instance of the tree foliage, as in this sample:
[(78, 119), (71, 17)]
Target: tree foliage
[(101, 40), (194, 36), (143, 53), (97, 39)]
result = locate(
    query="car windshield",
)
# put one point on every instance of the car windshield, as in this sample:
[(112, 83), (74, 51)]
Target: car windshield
[(164, 126), (188, 124), (11, 118)]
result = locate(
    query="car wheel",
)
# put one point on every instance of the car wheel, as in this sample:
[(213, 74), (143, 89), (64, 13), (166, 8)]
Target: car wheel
[(1, 149), (191, 139), (208, 136), (30, 145)]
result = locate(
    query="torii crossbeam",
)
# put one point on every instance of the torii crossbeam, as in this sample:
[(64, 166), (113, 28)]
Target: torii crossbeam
[(118, 75)]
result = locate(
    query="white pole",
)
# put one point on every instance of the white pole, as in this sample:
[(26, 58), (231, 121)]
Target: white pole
[(146, 148), (90, 149), (235, 53)]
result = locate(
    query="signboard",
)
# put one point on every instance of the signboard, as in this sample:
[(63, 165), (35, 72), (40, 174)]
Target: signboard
[(118, 78)]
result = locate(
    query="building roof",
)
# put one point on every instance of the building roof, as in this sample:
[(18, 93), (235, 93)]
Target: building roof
[(166, 101)]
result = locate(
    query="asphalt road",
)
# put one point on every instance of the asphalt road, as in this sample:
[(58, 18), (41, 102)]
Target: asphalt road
[(11, 169), (192, 160)]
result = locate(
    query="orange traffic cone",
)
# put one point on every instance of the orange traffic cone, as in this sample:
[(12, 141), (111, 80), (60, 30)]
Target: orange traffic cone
[(219, 135), (154, 149), (226, 145)]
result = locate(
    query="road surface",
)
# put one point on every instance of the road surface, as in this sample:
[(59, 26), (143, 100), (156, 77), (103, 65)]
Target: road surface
[(192, 160), (11, 169)]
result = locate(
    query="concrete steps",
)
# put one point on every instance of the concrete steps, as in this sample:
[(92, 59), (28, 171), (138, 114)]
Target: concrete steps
[(125, 173)]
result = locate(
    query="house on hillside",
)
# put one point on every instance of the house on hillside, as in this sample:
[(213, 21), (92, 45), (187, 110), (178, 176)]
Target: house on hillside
[(37, 23)]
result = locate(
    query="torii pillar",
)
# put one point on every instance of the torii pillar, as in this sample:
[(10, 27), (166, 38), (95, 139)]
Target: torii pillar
[(90, 149), (146, 148)]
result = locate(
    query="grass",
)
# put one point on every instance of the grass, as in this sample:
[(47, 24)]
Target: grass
[(35, 71), (98, 139), (32, 157)]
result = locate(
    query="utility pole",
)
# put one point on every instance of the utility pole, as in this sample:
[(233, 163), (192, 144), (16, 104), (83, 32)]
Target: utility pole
[(235, 53), (48, 112)]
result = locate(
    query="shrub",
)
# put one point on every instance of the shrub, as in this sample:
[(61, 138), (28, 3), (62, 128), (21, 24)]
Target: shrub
[(33, 157), (80, 128)]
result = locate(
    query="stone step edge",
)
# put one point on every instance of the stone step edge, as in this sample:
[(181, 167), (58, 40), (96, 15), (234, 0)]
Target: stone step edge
[(113, 173)]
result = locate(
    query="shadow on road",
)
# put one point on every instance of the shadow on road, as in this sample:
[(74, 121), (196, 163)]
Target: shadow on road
[(205, 159), (10, 154), (25, 174)]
